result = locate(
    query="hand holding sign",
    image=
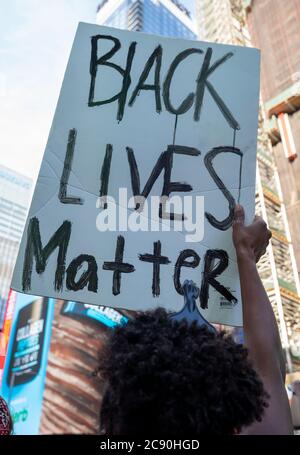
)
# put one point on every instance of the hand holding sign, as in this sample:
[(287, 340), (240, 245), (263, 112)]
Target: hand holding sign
[(250, 240)]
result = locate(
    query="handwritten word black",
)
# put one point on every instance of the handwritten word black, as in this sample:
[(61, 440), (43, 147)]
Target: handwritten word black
[(195, 97)]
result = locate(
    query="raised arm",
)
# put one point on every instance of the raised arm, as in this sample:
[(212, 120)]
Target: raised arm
[(260, 327)]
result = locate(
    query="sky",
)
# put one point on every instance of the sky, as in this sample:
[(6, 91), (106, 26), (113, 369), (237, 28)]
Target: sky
[(35, 41)]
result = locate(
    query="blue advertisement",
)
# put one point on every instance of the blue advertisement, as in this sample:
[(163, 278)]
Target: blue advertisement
[(26, 362), (102, 315)]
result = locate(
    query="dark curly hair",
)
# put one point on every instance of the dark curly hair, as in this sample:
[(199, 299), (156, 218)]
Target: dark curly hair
[(167, 377)]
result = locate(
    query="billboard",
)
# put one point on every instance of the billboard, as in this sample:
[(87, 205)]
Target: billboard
[(5, 333), (73, 390), (26, 361), (99, 314), (41, 328)]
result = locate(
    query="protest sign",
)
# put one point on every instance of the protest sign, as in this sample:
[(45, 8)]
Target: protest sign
[(152, 142)]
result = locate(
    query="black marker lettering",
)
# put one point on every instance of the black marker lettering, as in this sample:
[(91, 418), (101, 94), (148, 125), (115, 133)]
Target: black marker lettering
[(134, 174), (161, 164), (156, 57), (35, 249), (157, 260), (62, 195), (182, 262), (104, 61), (105, 171), (118, 266), (89, 277), (188, 101), (208, 159), (202, 82), (210, 273), (172, 187), (164, 162)]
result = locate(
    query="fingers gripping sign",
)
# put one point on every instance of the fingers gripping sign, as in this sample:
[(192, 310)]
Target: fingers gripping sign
[(252, 239)]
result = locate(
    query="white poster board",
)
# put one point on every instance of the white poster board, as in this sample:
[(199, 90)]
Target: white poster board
[(154, 117)]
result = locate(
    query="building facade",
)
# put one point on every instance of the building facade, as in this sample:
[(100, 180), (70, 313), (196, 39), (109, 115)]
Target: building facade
[(15, 192), (274, 28), (225, 21), (160, 17)]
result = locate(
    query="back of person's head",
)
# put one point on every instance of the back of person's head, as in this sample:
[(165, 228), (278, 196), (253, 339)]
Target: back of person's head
[(167, 377)]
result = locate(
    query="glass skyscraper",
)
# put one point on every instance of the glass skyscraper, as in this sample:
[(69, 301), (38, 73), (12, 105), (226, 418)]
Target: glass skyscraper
[(160, 17), (15, 193)]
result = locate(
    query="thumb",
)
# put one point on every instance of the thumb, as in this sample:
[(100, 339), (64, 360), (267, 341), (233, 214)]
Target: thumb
[(239, 215)]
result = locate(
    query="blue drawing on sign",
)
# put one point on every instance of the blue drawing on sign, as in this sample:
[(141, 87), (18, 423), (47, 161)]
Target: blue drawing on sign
[(190, 310)]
